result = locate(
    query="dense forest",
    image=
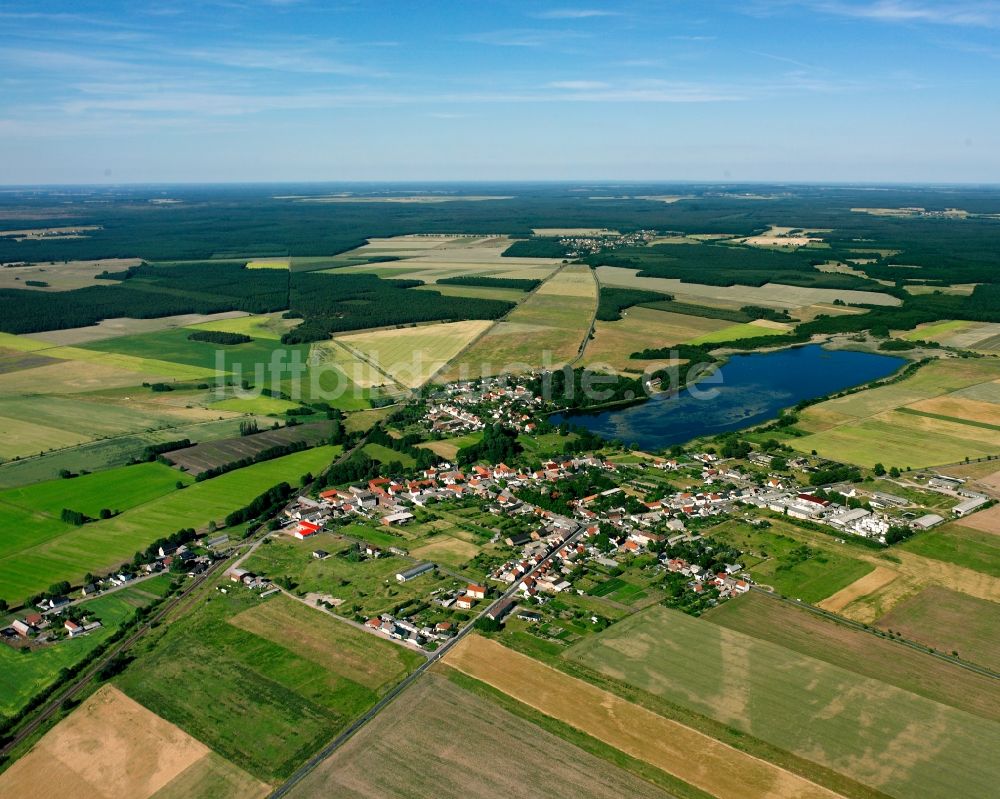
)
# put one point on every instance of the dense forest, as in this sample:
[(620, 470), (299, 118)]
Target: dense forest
[(491, 282), (334, 303), (204, 225)]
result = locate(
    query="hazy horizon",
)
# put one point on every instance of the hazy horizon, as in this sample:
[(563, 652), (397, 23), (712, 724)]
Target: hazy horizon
[(290, 91)]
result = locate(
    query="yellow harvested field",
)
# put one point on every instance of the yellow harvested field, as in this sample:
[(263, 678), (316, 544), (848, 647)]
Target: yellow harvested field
[(573, 281), (63, 276), (687, 754), (280, 263), (641, 328), (113, 328), (987, 521), (875, 580), (962, 289), (770, 295), (961, 408), (412, 355), (329, 355), (546, 330), (112, 747)]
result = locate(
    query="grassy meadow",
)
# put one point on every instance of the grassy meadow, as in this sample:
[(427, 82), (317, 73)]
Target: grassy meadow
[(31, 565), (264, 684)]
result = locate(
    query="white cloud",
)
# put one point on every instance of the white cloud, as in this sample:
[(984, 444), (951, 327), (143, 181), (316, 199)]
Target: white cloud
[(984, 13), (577, 85), (575, 13)]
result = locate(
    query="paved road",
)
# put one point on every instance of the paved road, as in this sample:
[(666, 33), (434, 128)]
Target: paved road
[(307, 767)]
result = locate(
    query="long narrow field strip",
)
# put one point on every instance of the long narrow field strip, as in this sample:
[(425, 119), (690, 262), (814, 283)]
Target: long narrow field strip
[(687, 754), (124, 326), (99, 546), (770, 295), (890, 739), (734, 332), (112, 747), (269, 326), (411, 355), (440, 740), (808, 633), (547, 329)]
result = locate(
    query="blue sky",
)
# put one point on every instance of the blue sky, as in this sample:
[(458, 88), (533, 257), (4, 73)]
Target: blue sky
[(811, 90)]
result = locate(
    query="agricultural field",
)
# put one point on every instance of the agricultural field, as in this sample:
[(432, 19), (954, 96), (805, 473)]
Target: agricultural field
[(983, 336), (112, 747), (944, 413), (448, 447), (99, 546), (986, 521), (548, 328), (959, 544), (869, 730), (63, 276), (252, 360), (268, 326), (734, 332), (125, 326), (665, 744), (116, 489), (272, 263), (795, 628), (641, 328), (950, 621), (497, 750), (384, 454), (213, 454), (263, 683), (770, 295), (23, 675), (791, 567), (412, 355), (30, 425), (447, 550), (109, 453)]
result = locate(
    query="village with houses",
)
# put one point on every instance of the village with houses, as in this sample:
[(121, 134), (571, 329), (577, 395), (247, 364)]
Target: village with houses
[(649, 520)]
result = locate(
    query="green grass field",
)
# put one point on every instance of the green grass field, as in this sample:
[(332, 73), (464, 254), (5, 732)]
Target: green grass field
[(963, 546), (777, 559), (369, 585), (261, 405), (22, 675), (100, 546), (383, 454), (735, 332), (902, 744), (767, 618), (174, 346), (270, 326), (115, 489), (264, 684)]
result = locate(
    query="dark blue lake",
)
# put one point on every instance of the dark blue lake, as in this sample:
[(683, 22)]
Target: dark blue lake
[(753, 388)]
